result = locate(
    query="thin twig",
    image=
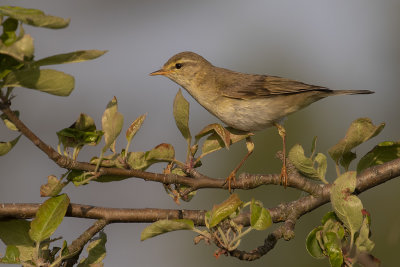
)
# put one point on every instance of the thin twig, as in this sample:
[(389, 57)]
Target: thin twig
[(76, 247)]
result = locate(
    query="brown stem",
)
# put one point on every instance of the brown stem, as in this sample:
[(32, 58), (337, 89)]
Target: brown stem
[(77, 245), (366, 180)]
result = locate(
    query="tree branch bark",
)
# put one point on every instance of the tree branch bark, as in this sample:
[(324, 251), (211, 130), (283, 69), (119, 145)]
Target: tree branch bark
[(368, 179)]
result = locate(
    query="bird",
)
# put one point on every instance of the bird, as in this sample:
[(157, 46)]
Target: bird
[(246, 102)]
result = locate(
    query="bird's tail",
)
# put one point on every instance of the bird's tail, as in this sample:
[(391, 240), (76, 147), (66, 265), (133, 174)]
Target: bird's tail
[(352, 92)]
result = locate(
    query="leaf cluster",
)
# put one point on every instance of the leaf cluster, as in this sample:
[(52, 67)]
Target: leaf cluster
[(221, 229), (28, 242), (344, 233), (331, 240), (18, 67)]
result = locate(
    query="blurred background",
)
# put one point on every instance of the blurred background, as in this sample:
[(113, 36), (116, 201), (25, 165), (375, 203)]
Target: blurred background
[(337, 44)]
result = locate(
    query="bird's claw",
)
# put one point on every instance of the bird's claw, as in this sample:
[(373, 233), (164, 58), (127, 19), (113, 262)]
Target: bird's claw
[(283, 177), (231, 179)]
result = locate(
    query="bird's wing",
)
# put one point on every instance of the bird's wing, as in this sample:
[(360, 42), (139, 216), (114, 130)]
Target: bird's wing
[(248, 86)]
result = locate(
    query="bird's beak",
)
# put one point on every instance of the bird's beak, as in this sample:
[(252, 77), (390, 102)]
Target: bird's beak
[(159, 72)]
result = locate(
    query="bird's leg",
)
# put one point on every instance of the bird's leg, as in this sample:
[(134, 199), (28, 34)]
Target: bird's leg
[(232, 176), (284, 176)]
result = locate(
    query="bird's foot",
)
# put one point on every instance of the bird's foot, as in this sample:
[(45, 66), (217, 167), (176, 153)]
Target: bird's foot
[(231, 179), (283, 177)]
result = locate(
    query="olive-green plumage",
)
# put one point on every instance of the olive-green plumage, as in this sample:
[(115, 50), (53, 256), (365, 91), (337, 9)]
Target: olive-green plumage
[(247, 102)]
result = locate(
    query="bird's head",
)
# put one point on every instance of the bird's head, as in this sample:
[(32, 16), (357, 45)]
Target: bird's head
[(184, 68)]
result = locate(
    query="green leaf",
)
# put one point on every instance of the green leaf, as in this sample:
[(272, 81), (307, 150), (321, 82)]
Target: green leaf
[(214, 142), (165, 226), (359, 132), (312, 244), (20, 49), (314, 145), (237, 135), (8, 64), (64, 249), (46, 80), (15, 233), (11, 256), (334, 226), (329, 216), (81, 132), (363, 243), (346, 159), (211, 144), (137, 160), (5, 147), (135, 126), (207, 217), (347, 207), (334, 249), (34, 17), (96, 251), (224, 210), (348, 210), (71, 137), (382, 153), (181, 115), (77, 177), (112, 122), (162, 152), (84, 123), (322, 163), (110, 178), (10, 25), (260, 218), (52, 188), (113, 160), (51, 253), (73, 57), (303, 164), (48, 217), (8, 123), (9, 35), (194, 149), (223, 133), (8, 38), (178, 171)]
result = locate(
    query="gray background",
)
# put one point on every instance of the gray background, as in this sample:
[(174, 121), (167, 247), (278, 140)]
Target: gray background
[(337, 44)]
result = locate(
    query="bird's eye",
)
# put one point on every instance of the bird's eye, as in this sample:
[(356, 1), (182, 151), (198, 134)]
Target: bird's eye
[(178, 65)]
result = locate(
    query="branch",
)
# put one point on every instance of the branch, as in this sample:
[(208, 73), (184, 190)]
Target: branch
[(366, 180), (245, 182), (111, 215), (77, 245)]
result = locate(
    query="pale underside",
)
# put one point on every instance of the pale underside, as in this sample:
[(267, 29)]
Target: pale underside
[(258, 114)]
